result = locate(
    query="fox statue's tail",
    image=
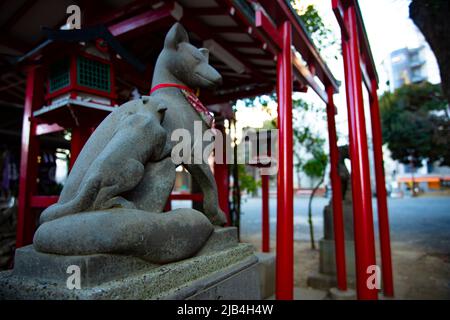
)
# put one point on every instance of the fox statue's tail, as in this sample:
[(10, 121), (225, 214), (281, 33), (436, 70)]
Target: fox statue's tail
[(154, 237), (81, 202)]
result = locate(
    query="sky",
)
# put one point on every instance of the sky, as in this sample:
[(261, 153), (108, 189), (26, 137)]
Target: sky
[(388, 28)]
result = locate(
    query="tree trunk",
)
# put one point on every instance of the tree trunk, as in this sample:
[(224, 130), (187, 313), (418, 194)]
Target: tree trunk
[(310, 222), (432, 18)]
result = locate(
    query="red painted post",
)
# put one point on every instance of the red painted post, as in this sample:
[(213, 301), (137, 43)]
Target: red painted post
[(285, 207), (34, 97), (338, 218), (265, 213), (362, 195), (221, 177), (79, 137), (383, 218)]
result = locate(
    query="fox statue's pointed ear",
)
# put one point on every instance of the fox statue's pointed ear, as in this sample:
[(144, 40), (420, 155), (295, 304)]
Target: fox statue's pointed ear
[(176, 35)]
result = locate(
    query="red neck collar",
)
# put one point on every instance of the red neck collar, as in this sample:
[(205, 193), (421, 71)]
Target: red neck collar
[(169, 85)]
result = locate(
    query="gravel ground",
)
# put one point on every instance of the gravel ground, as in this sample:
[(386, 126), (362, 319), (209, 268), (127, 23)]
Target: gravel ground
[(420, 232)]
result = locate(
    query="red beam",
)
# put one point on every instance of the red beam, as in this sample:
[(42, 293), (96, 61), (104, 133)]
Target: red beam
[(131, 26), (383, 218), (338, 218), (221, 177), (262, 22), (79, 137), (303, 74), (339, 7), (186, 196), (28, 160), (364, 43), (362, 195), (365, 76), (285, 201), (241, 18), (110, 16), (339, 13), (280, 11), (265, 213), (202, 31), (43, 201)]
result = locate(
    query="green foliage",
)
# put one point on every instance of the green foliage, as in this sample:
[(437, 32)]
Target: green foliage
[(323, 37), (246, 181), (416, 123), (310, 142), (315, 167)]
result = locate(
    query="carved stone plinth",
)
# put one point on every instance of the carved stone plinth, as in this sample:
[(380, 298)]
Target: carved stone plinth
[(223, 269)]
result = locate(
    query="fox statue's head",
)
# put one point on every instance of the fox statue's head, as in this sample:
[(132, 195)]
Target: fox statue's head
[(185, 62)]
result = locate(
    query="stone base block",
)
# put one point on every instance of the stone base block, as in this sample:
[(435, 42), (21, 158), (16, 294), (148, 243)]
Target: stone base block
[(223, 269), (328, 258), (326, 277), (267, 274), (336, 294), (321, 281)]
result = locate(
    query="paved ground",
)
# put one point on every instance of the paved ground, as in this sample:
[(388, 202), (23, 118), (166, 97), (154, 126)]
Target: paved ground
[(423, 221), (420, 232)]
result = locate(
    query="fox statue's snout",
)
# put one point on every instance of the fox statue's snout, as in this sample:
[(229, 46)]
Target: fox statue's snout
[(207, 76), (188, 63)]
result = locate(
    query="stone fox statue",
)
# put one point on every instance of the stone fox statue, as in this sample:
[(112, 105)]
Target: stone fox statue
[(126, 162), (182, 64), (113, 159)]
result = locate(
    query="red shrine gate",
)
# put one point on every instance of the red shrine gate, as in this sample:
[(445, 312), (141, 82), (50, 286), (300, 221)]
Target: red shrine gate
[(253, 45)]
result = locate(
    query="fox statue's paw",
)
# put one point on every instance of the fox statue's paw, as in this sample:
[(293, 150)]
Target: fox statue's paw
[(219, 219)]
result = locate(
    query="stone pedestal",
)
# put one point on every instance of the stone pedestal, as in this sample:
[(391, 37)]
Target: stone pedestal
[(325, 278), (336, 294), (223, 269), (267, 274), (327, 261)]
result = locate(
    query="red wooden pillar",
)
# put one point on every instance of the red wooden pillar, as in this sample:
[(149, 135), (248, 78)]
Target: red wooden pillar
[(338, 218), (383, 218), (79, 137), (34, 98), (285, 201), (265, 213), (362, 196), (221, 177)]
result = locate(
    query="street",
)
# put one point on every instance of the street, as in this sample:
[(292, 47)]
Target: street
[(423, 221)]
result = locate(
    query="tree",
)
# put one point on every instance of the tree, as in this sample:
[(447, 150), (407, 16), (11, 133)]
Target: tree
[(323, 37), (309, 152), (315, 168), (416, 124), (432, 18)]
